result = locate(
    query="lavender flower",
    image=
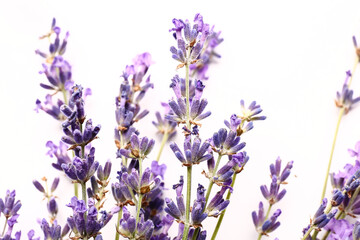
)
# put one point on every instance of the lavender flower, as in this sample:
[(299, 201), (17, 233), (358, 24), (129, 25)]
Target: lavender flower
[(81, 169), (200, 68), (59, 152), (128, 228), (217, 204), (189, 46), (194, 153), (196, 104), (163, 125), (177, 210), (344, 99), (340, 229), (226, 143), (90, 225), (139, 148), (145, 185)]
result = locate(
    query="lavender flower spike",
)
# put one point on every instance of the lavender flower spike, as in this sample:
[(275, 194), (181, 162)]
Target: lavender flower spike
[(226, 143), (344, 99), (194, 153)]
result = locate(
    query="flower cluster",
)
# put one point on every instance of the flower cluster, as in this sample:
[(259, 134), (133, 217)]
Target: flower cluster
[(263, 224)]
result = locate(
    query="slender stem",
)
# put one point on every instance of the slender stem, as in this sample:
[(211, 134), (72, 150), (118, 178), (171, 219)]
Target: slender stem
[(188, 199), (76, 190), (3, 232), (223, 213), (117, 235), (308, 232), (188, 124), (84, 198), (341, 113), (64, 95), (138, 207), (354, 69), (211, 182), (163, 142)]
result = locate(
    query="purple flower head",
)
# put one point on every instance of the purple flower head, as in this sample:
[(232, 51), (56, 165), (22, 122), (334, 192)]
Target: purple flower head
[(234, 123), (139, 147), (242, 159), (158, 170), (178, 113), (208, 53), (51, 231), (58, 75), (190, 40), (198, 213), (226, 143), (56, 47), (322, 220), (94, 221), (223, 177), (271, 224), (163, 125), (9, 207), (275, 170), (250, 113), (52, 207), (128, 228), (145, 185), (337, 198), (177, 210), (51, 108), (273, 195), (340, 229), (59, 152), (81, 169), (217, 204), (339, 179), (194, 152), (259, 217), (344, 99), (124, 139), (104, 173), (121, 193)]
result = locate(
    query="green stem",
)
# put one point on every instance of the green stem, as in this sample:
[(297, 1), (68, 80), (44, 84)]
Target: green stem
[(138, 207), (188, 124), (76, 190), (117, 235), (163, 142), (223, 213), (211, 182), (308, 232), (84, 198), (188, 199), (64, 95), (3, 232), (341, 113)]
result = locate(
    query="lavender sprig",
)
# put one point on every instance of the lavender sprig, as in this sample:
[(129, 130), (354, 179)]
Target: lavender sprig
[(263, 224)]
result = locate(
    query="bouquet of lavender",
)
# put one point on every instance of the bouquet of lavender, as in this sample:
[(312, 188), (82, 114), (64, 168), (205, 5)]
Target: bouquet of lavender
[(138, 202)]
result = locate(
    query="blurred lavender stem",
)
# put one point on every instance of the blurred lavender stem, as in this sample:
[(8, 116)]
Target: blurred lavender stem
[(3, 232), (189, 168), (341, 113), (163, 142)]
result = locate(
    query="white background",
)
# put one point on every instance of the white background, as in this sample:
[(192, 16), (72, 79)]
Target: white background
[(289, 56)]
